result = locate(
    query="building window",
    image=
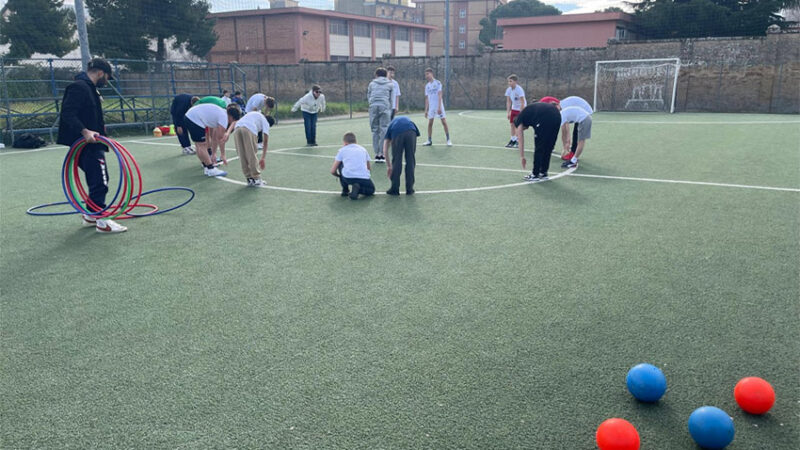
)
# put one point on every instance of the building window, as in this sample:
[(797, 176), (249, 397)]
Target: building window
[(382, 32), (462, 13), (362, 29), (462, 44), (462, 29), (621, 33), (340, 58), (339, 27), (420, 36), (401, 34)]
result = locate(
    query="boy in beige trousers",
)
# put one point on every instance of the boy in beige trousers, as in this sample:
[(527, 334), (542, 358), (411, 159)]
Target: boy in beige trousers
[(245, 137)]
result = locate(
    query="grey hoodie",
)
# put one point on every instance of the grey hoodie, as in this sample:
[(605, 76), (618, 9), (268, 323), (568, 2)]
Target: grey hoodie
[(379, 92)]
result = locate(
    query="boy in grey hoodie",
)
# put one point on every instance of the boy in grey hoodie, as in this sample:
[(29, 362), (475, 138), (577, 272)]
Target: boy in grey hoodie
[(380, 94)]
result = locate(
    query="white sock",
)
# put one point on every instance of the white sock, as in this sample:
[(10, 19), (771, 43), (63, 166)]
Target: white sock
[(573, 160), (513, 139)]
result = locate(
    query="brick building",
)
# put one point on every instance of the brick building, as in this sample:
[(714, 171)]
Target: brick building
[(465, 18), (290, 35), (565, 31)]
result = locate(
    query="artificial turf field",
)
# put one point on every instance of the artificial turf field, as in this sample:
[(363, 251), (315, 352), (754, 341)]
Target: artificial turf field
[(502, 317)]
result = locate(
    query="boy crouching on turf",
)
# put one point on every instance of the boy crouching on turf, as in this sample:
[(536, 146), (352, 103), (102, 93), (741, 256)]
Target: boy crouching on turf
[(245, 137), (352, 167)]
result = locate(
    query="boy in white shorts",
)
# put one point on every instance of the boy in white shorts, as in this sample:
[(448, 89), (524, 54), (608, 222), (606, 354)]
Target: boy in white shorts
[(209, 116), (434, 106), (515, 101), (245, 137)]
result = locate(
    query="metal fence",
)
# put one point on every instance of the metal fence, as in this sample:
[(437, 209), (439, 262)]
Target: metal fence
[(31, 90)]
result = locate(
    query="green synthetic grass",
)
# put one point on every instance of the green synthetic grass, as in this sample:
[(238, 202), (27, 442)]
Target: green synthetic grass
[(503, 318)]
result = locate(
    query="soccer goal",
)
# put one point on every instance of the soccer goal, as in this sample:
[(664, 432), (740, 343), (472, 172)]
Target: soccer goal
[(636, 84)]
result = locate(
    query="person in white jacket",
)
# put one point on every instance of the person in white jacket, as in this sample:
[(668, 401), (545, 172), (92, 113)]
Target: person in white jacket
[(311, 104)]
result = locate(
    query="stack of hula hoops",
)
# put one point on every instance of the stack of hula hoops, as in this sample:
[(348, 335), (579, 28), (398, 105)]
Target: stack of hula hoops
[(127, 197)]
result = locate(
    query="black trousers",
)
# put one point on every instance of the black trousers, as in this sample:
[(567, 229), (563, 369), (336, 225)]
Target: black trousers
[(404, 144), (365, 185), (574, 137), (545, 136), (93, 163), (182, 138)]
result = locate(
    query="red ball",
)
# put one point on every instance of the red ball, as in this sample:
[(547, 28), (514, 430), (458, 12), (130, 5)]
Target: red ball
[(754, 395), (617, 434)]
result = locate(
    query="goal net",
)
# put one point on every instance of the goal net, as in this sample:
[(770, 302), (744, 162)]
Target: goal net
[(636, 85)]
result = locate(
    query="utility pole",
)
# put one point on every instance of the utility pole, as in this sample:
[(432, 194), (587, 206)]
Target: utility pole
[(83, 36), (447, 54)]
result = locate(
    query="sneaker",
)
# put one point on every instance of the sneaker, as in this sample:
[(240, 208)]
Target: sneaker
[(565, 164), (510, 144), (345, 192), (571, 164), (258, 182), (568, 156), (313, 144), (109, 226), (88, 221), (410, 192), (427, 143), (531, 177), (449, 143), (188, 151), (392, 192), (260, 146), (215, 172), (380, 159), (515, 144), (354, 191), (543, 177)]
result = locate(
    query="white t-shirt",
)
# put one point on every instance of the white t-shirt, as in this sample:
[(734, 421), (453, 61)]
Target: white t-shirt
[(354, 159), (517, 96), (576, 101), (396, 93), (255, 122), (432, 90), (573, 114), (227, 100), (256, 102), (208, 115)]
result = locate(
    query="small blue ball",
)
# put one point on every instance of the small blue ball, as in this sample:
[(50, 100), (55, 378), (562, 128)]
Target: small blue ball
[(646, 382), (711, 427)]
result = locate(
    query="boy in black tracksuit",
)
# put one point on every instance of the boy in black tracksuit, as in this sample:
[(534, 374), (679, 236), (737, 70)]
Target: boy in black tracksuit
[(82, 116), (180, 105), (546, 122)]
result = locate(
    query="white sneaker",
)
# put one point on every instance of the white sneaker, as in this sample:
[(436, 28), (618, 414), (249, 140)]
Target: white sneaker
[(449, 143), (261, 146), (258, 182), (109, 226), (88, 221), (215, 172), (427, 143), (188, 151)]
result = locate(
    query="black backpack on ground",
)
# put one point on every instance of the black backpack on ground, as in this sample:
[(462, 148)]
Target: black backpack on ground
[(27, 140)]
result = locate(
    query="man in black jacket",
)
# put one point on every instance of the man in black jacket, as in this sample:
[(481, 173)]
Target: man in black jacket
[(180, 105), (546, 121), (82, 116)]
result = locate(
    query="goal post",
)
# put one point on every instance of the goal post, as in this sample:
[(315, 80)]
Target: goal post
[(636, 84)]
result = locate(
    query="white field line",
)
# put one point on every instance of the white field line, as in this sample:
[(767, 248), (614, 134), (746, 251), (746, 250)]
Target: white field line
[(468, 115), (696, 183)]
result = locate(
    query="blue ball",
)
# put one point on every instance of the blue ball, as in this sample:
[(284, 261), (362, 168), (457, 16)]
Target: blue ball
[(646, 382), (711, 427)]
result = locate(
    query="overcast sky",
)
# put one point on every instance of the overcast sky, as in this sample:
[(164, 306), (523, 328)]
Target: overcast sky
[(567, 6)]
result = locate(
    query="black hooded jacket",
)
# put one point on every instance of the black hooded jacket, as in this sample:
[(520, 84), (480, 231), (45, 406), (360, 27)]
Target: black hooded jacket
[(81, 108)]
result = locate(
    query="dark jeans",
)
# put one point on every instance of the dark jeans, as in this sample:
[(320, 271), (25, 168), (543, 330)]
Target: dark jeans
[(182, 138), (310, 122), (544, 141), (365, 185), (404, 144), (93, 163)]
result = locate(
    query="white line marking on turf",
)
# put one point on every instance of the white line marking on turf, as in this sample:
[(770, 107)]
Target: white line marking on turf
[(468, 115), (700, 183)]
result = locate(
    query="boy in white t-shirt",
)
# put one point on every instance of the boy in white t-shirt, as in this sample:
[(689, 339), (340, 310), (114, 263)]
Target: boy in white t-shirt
[(581, 116), (515, 101), (245, 137), (353, 169), (434, 106), (208, 116), (396, 92), (569, 152)]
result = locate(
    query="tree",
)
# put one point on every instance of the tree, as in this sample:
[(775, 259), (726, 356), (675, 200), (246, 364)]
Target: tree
[(126, 28), (517, 8), (662, 19), (38, 26)]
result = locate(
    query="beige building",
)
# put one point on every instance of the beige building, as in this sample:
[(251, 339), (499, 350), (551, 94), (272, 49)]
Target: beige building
[(384, 9), (465, 18)]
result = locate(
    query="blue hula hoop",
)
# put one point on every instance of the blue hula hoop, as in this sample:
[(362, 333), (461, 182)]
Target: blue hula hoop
[(33, 210)]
